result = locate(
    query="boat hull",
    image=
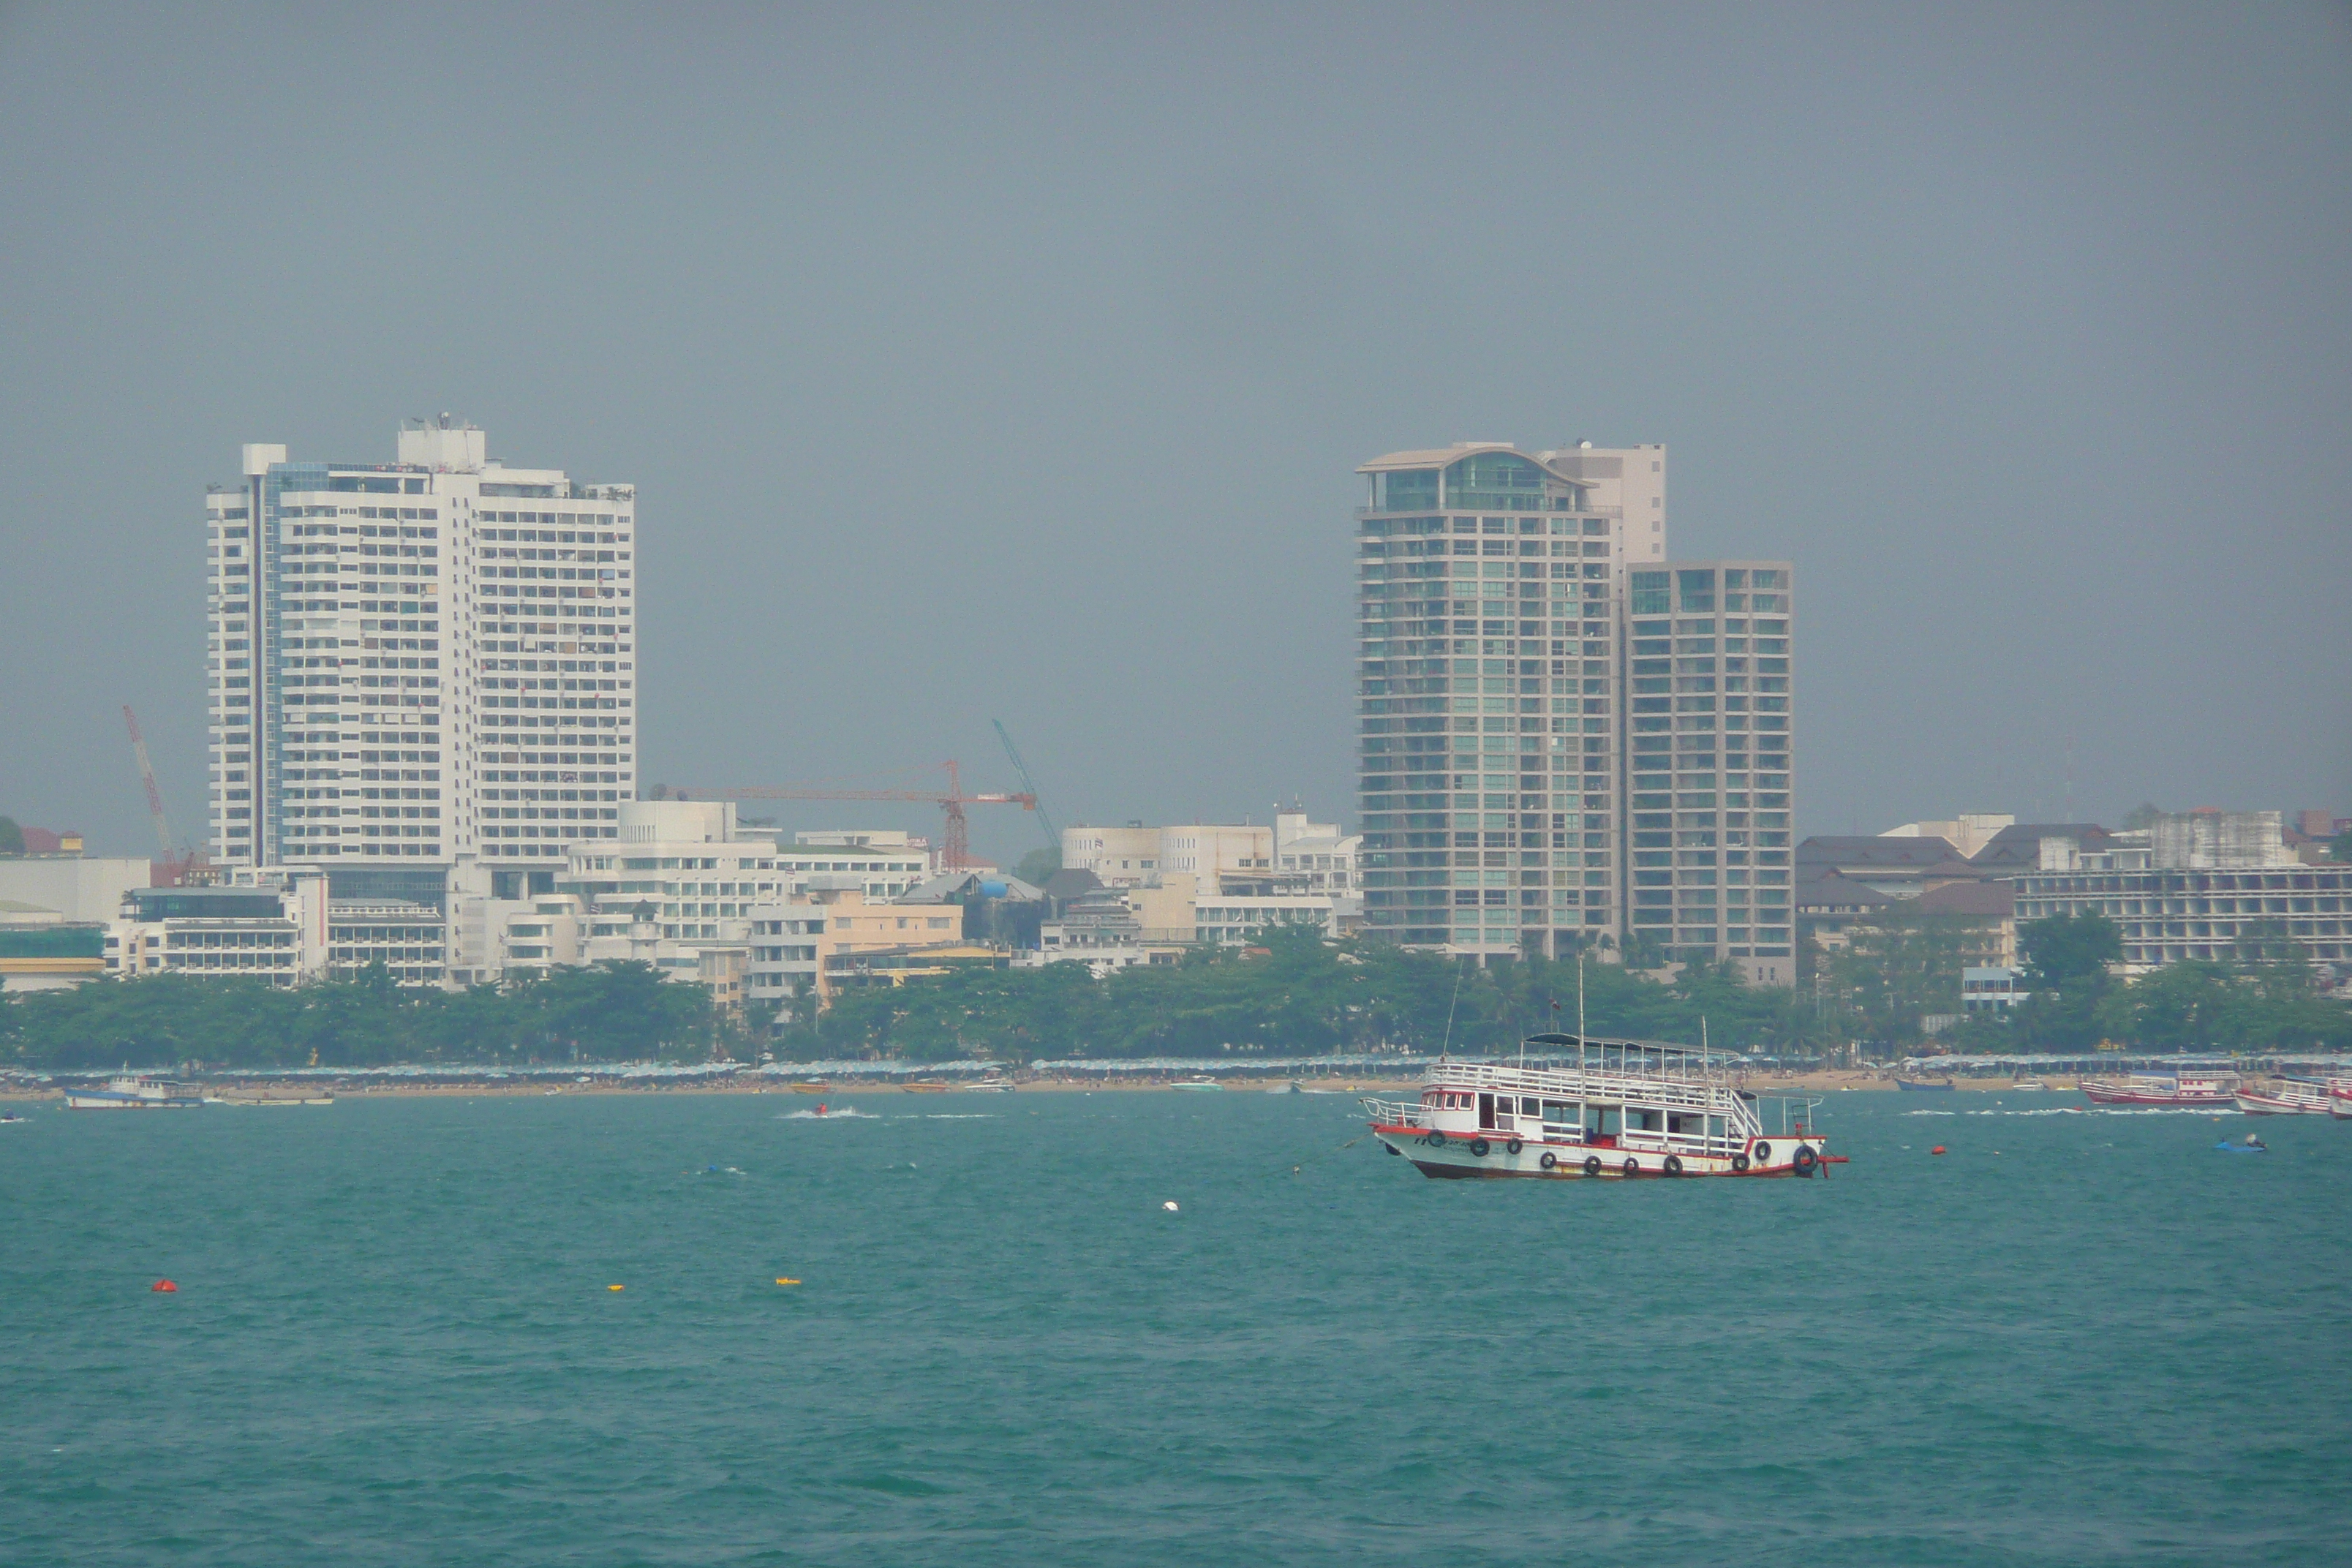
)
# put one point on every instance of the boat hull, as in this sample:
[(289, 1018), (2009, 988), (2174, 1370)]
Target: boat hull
[(98, 1099), (1453, 1157)]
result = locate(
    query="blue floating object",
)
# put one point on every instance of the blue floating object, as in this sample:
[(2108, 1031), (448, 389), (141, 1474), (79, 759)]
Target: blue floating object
[(2226, 1147)]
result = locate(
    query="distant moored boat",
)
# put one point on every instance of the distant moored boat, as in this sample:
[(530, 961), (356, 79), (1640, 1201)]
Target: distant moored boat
[(2290, 1099), (130, 1092), (2186, 1091)]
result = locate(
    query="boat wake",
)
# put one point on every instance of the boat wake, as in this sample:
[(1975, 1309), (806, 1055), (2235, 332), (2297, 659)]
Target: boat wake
[(847, 1114), (2087, 1111), (948, 1116)]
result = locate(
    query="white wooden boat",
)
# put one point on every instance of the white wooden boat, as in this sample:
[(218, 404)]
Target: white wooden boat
[(2289, 1098), (1624, 1109), (2188, 1090), (132, 1093)]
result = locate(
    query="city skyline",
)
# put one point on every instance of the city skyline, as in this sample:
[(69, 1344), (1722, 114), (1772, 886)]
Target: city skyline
[(1928, 323)]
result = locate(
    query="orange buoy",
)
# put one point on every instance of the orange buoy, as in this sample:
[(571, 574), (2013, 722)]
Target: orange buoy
[(163, 1285), (1937, 1150), (616, 1287), (783, 1282)]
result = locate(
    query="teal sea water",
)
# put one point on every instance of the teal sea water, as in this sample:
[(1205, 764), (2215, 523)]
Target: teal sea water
[(2074, 1340)]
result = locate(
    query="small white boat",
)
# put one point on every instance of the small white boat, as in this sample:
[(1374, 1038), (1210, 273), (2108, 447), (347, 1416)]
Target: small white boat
[(2289, 1098), (132, 1093), (1209, 1083), (990, 1086)]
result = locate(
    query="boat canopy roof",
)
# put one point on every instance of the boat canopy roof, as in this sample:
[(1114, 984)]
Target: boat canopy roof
[(1559, 1041)]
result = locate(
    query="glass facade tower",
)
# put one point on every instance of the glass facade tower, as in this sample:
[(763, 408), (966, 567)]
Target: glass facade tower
[(1489, 725), (1707, 759), (1564, 740)]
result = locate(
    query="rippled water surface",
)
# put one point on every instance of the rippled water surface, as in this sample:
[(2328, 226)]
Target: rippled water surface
[(2072, 1339)]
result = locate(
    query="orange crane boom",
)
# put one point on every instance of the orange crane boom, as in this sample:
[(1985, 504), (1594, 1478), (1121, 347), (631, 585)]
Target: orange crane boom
[(147, 777), (955, 853)]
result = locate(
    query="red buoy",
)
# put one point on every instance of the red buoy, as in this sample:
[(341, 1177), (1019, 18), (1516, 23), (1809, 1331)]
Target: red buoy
[(163, 1285), (1937, 1150)]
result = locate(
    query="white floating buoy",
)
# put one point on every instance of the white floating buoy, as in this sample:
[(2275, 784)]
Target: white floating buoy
[(1168, 1207)]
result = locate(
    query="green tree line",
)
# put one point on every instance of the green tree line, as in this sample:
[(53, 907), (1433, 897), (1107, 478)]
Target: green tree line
[(1294, 996), (608, 1012), (1904, 968), (2265, 998)]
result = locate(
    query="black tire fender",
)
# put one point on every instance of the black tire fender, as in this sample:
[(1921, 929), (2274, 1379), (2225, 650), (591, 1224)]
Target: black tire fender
[(1478, 1148), (1806, 1160), (1631, 1168), (1513, 1147), (1763, 1153), (1673, 1166), (1436, 1140), (1739, 1165), (1549, 1161), (1592, 1164)]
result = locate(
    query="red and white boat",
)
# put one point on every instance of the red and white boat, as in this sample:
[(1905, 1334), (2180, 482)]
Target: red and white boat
[(1625, 1110), (2187, 1091), (2288, 1099)]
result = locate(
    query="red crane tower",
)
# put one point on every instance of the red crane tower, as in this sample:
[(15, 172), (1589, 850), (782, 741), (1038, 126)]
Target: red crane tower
[(187, 864), (955, 852)]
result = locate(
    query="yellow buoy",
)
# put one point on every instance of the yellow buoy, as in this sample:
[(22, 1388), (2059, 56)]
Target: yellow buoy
[(616, 1287), (787, 1281)]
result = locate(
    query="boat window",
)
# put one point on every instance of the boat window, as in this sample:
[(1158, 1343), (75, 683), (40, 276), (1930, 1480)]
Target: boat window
[(1643, 1121), (1529, 1107), (1685, 1122), (1556, 1111), (1605, 1120), (1486, 1111)]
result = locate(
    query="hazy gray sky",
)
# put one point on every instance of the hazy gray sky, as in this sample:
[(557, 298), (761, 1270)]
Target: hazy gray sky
[(1014, 366)]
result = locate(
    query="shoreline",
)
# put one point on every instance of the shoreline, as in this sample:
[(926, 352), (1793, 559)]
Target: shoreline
[(261, 1087)]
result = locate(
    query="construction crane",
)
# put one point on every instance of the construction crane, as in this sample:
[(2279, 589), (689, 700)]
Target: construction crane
[(1053, 839), (180, 864), (955, 854)]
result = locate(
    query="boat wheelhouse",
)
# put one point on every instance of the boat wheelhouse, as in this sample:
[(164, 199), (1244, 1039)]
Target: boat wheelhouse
[(1592, 1108)]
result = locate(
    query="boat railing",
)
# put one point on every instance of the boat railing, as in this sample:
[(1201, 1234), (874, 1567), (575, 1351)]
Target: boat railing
[(1801, 1105), (1730, 1140), (1710, 1092)]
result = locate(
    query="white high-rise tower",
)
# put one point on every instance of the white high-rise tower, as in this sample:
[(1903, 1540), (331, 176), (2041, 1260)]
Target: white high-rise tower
[(418, 663)]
